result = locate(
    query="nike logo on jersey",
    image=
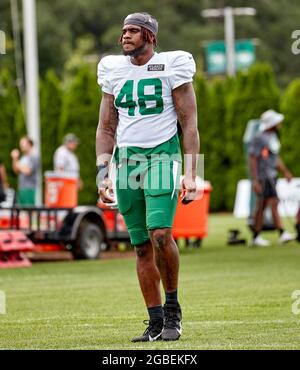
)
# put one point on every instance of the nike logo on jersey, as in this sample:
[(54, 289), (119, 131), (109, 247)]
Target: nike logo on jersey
[(156, 67)]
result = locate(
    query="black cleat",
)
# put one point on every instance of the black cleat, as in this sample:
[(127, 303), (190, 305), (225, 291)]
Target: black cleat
[(172, 322), (152, 333)]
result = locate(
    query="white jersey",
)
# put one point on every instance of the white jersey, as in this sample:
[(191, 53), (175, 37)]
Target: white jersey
[(143, 95)]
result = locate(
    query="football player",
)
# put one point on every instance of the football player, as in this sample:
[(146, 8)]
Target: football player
[(145, 93)]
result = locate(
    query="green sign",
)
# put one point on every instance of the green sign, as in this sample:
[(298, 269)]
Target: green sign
[(216, 57), (216, 61)]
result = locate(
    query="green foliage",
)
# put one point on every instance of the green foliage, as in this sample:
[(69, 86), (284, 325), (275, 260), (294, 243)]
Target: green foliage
[(216, 164), (10, 114), (224, 108), (290, 129), (61, 23), (80, 116), (51, 105), (204, 122), (54, 19), (254, 92), (84, 47)]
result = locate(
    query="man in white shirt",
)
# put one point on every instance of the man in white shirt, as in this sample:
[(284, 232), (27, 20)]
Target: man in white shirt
[(65, 159)]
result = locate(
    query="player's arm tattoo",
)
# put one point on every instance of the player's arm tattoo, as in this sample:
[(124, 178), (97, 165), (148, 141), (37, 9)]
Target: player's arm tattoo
[(106, 130), (186, 108)]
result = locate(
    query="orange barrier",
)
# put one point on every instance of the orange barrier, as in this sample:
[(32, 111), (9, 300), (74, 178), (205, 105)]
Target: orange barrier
[(113, 219), (61, 190), (4, 222), (191, 220)]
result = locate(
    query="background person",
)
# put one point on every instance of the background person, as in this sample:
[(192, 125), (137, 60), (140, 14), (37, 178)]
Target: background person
[(3, 181), (65, 159), (26, 167), (264, 166)]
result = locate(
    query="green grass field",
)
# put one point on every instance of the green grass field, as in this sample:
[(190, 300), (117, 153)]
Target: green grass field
[(232, 298)]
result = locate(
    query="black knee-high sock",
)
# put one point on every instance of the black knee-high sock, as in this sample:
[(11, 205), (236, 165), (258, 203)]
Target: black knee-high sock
[(171, 297), (156, 313)]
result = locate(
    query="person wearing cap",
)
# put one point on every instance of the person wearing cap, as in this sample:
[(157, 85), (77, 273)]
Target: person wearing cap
[(265, 163), (144, 93), (65, 159)]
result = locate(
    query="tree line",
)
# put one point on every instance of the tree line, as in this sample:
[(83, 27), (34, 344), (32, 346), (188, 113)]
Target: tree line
[(225, 105), (69, 30)]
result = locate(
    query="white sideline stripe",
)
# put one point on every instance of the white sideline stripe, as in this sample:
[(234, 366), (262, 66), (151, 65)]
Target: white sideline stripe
[(175, 172)]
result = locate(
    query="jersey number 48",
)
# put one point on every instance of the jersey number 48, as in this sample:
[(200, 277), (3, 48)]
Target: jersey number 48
[(125, 97)]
